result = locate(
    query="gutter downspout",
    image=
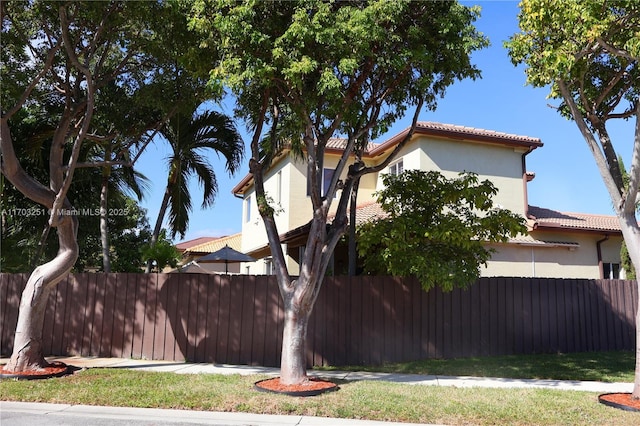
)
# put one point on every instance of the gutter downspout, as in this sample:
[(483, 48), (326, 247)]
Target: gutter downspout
[(599, 251)]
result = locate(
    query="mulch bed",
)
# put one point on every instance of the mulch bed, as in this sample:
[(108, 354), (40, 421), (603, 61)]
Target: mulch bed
[(312, 387), (55, 369), (623, 401)]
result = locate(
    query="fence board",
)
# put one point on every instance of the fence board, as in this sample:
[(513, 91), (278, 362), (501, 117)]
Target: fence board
[(359, 320), (247, 323)]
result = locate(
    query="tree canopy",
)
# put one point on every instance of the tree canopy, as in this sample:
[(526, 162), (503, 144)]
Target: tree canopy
[(436, 228), (587, 53)]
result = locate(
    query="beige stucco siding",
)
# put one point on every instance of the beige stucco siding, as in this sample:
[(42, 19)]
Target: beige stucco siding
[(500, 164), (552, 262)]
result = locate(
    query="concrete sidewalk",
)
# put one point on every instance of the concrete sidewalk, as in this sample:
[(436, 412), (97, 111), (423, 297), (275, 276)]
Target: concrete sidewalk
[(410, 379)]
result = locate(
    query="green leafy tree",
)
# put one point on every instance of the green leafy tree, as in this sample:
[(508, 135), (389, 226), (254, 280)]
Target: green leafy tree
[(435, 228), (303, 72), (161, 253), (587, 52), (191, 137), (67, 55)]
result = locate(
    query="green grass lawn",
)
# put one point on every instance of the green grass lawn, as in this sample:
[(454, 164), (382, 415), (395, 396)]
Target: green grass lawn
[(598, 366), (364, 399)]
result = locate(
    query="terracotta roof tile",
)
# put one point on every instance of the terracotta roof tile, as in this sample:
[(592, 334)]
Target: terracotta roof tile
[(474, 131), (234, 241), (547, 218), (195, 242)]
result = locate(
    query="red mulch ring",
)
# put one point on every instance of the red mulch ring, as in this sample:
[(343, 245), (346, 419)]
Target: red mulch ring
[(312, 387), (624, 401), (55, 369)]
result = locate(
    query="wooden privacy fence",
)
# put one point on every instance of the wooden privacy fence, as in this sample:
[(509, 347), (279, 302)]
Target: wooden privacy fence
[(358, 320)]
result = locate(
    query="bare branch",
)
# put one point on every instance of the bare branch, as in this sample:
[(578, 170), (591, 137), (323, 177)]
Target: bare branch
[(593, 145), (401, 145), (27, 92), (616, 51), (11, 168), (604, 92)]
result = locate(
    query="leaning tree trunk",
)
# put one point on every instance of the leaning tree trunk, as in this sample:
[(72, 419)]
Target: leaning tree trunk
[(27, 345)]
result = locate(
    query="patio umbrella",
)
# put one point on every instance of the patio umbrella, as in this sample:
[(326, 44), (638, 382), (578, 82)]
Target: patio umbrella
[(226, 254)]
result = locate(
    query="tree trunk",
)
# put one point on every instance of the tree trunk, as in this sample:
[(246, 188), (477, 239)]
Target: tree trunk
[(636, 381), (27, 345), (158, 227), (631, 235), (293, 363), (104, 225), (353, 254)]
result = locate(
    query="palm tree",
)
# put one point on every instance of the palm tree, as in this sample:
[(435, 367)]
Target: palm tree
[(190, 136)]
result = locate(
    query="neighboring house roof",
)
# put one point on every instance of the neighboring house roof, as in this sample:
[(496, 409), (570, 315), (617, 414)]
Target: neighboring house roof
[(185, 245), (547, 219), (428, 128), (234, 241)]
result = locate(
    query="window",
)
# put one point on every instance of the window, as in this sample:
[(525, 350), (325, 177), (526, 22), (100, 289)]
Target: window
[(268, 266), (611, 271), (247, 209), (327, 175), (279, 187), (396, 168)]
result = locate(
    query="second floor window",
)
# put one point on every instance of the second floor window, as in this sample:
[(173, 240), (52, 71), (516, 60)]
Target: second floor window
[(396, 168), (247, 211), (327, 175)]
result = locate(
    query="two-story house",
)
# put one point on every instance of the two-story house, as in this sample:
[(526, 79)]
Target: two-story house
[(569, 245)]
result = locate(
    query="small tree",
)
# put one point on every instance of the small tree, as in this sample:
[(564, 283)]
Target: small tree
[(588, 52), (162, 251), (435, 229), (306, 71)]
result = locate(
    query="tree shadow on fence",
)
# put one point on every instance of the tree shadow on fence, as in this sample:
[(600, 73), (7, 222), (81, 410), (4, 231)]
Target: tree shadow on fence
[(363, 320), (226, 319)]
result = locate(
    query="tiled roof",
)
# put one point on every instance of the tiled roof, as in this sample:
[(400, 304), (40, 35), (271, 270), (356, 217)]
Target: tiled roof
[(473, 131), (234, 241), (547, 218), (544, 218), (368, 212), (527, 240), (450, 131), (195, 242), (340, 143)]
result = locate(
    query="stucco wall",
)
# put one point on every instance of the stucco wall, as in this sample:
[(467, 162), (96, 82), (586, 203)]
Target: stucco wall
[(552, 262)]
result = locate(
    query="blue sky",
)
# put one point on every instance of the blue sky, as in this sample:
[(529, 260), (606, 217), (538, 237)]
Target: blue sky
[(567, 178)]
